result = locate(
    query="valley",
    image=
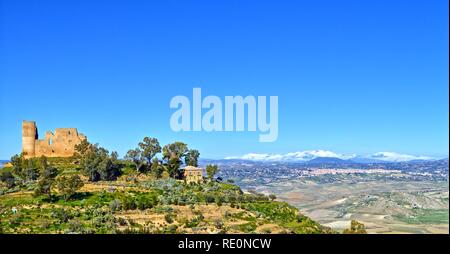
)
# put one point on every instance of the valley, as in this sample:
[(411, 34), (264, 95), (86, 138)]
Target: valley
[(409, 199), (384, 207)]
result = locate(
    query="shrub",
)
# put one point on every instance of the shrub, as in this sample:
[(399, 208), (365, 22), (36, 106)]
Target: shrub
[(115, 205), (169, 218), (75, 226), (61, 215), (128, 203), (146, 201), (194, 222), (209, 198)]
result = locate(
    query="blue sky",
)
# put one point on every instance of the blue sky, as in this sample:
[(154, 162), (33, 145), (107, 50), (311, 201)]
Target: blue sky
[(351, 76)]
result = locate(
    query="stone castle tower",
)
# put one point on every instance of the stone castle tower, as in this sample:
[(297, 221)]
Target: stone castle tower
[(60, 144)]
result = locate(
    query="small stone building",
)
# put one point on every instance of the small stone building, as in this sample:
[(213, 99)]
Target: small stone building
[(193, 174)]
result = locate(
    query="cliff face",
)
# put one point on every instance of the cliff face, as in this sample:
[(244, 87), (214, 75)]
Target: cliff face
[(60, 144)]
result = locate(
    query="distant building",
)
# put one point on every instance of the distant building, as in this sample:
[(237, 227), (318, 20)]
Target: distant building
[(60, 144), (193, 174)]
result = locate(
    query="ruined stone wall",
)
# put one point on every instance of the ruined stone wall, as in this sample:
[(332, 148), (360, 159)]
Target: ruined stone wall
[(60, 144)]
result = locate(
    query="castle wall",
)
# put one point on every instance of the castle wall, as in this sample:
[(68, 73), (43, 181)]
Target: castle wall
[(60, 144)]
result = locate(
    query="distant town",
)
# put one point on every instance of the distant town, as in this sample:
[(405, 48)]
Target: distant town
[(267, 172)]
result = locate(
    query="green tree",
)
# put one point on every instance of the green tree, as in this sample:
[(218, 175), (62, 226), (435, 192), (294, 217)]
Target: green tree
[(98, 164), (173, 167), (68, 185), (272, 197), (172, 155), (191, 158), (82, 149), (115, 157), (136, 157), (90, 163), (17, 165), (157, 169), (175, 150), (108, 170), (46, 181), (149, 148), (30, 171), (211, 170)]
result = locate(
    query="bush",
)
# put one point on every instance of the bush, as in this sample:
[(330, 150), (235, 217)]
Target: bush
[(75, 226), (61, 215), (247, 228), (169, 218), (218, 200), (194, 222), (115, 205), (128, 203), (209, 198), (146, 201)]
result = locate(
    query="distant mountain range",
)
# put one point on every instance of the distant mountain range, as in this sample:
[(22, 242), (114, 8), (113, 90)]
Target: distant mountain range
[(318, 160), (322, 156), (355, 160), (326, 160)]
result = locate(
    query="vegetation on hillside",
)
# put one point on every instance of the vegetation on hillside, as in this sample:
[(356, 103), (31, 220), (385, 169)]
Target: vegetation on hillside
[(95, 192)]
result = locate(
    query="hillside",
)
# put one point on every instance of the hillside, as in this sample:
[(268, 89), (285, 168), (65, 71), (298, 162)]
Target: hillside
[(142, 203)]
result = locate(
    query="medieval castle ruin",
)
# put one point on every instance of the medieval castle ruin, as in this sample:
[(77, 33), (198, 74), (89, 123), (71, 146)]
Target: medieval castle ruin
[(60, 144)]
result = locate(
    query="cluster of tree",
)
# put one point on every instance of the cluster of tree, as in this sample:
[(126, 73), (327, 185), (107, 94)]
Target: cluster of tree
[(41, 175), (67, 185), (145, 159), (23, 171), (46, 179), (96, 162)]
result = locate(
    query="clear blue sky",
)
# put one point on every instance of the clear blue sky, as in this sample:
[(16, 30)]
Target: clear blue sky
[(351, 76)]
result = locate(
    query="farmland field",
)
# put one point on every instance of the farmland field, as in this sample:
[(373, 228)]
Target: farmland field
[(384, 204)]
